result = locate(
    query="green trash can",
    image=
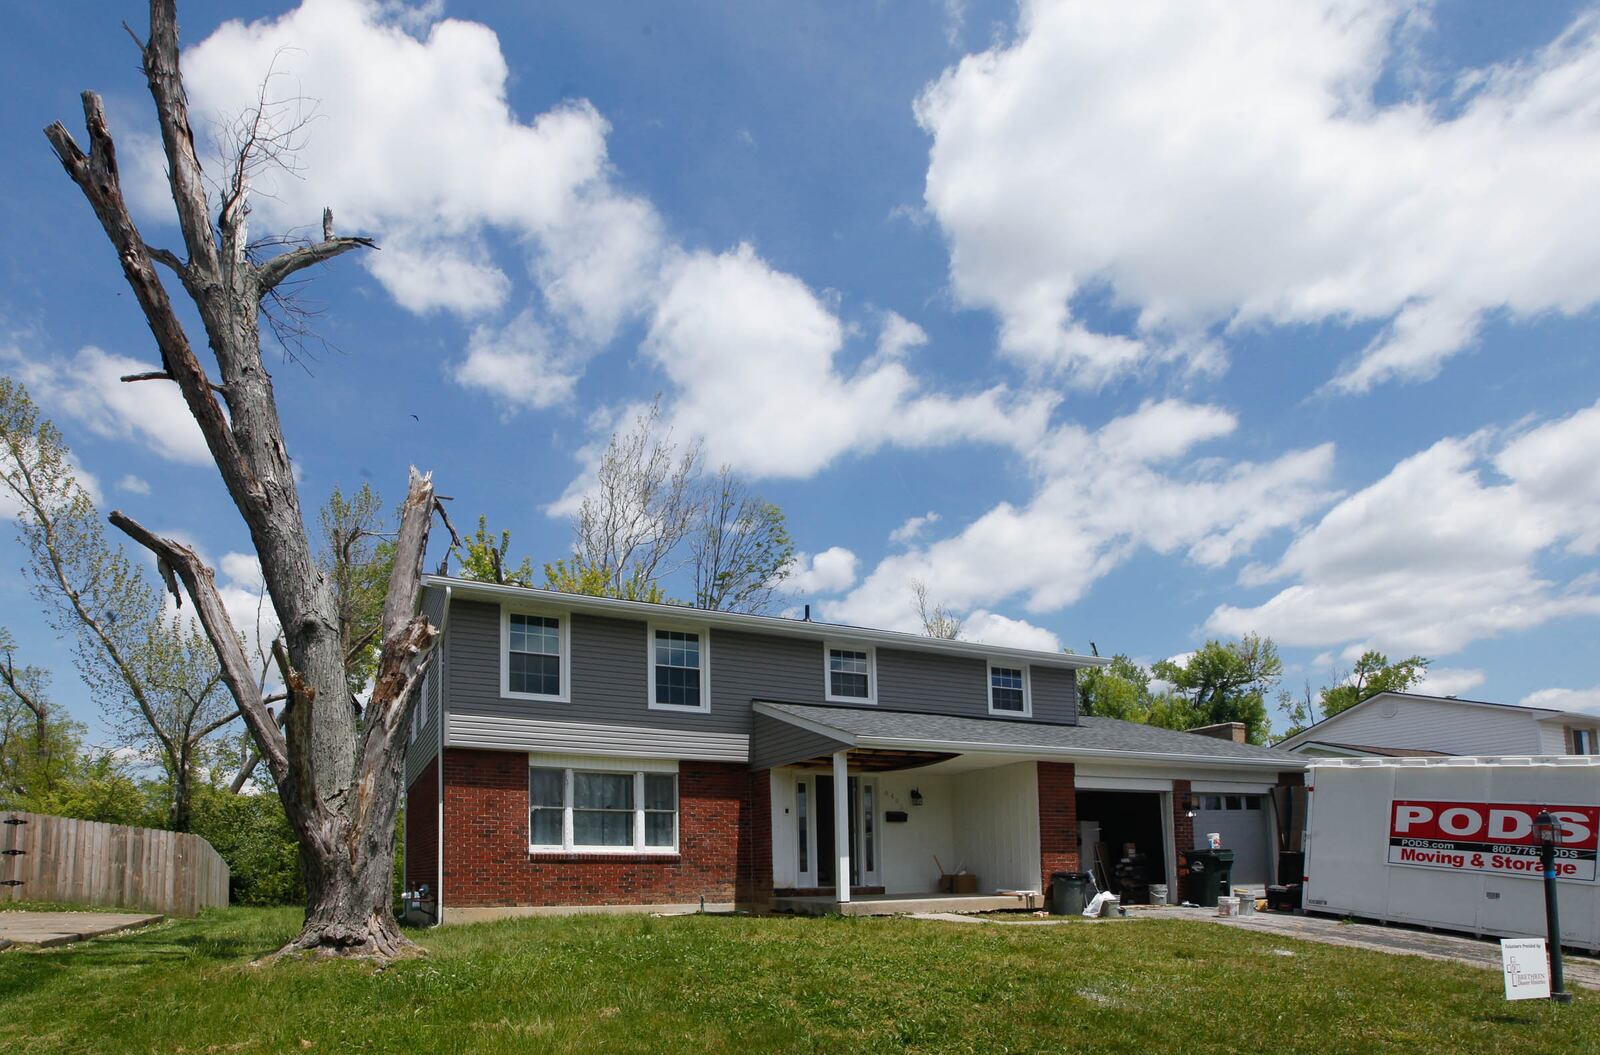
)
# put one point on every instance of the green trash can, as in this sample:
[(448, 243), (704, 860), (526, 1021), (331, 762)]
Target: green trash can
[(1203, 874), (1225, 871), (1069, 893)]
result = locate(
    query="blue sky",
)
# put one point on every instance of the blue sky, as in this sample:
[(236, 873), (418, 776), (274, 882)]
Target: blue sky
[(1182, 321)]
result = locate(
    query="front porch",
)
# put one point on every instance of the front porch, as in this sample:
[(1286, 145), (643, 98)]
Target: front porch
[(903, 904)]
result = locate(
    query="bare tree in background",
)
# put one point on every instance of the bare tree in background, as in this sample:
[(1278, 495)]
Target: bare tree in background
[(643, 505), (358, 558), (740, 546), (937, 620), (156, 680), (338, 771)]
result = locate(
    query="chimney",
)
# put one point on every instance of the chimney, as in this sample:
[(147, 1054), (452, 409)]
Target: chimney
[(1234, 731)]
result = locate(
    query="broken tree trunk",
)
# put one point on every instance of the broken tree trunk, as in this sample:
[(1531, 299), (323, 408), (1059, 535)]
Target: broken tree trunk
[(338, 771)]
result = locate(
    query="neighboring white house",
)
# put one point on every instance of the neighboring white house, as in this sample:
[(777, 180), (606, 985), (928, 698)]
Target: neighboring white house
[(1404, 723)]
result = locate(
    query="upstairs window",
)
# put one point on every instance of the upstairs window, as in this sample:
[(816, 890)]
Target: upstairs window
[(1008, 691), (678, 671), (535, 656), (1583, 742), (851, 675)]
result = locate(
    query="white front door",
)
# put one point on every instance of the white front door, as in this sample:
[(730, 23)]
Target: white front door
[(813, 834)]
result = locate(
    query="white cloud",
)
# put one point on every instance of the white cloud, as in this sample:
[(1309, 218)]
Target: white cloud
[(243, 569), (133, 485), (990, 628), (830, 571), (1565, 699), (87, 389), (1449, 681), (517, 365), (908, 532), (1101, 497), (897, 335), (409, 137), (751, 353), (1240, 172), (1440, 552)]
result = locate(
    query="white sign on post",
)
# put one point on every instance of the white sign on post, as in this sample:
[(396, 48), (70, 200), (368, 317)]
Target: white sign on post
[(1527, 968)]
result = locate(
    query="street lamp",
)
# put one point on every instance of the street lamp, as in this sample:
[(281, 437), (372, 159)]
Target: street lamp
[(1549, 835)]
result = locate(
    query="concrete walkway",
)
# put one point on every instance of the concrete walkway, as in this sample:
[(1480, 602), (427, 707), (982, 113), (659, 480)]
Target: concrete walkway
[(59, 928)]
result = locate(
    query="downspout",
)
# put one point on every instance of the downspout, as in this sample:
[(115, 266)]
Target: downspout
[(444, 712)]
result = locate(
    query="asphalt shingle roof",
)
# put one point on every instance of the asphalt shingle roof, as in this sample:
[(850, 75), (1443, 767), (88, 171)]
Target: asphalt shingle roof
[(1091, 734)]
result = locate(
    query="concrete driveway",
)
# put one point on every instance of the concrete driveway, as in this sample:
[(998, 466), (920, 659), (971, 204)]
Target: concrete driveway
[(59, 928), (1407, 941)]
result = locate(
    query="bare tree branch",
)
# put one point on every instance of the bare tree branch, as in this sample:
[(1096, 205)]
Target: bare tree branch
[(175, 558), (280, 267)]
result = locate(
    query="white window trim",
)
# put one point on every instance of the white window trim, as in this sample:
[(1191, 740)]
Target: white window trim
[(565, 618), (638, 768), (1582, 731), (827, 672), (704, 706), (1027, 690)]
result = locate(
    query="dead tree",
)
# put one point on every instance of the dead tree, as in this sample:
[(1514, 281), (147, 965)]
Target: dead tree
[(338, 770)]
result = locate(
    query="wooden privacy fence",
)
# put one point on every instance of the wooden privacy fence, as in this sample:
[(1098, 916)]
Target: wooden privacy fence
[(46, 858)]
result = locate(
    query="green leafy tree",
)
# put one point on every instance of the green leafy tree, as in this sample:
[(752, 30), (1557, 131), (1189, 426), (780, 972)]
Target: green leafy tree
[(740, 546), (567, 576), (39, 746), (1223, 682), (483, 557), (253, 835), (1121, 689), (1372, 674)]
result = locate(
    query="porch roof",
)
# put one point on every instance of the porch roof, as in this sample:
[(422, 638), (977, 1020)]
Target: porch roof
[(1091, 738)]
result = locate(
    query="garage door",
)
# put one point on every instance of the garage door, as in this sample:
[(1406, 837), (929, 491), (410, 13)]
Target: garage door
[(1241, 820)]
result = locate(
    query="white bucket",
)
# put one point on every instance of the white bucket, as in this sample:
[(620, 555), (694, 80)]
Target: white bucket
[(1158, 894), (1247, 904), (1227, 906)]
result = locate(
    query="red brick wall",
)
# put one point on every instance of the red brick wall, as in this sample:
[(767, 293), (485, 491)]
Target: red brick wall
[(487, 862), (1058, 820), (755, 842), (422, 829), (1182, 836)]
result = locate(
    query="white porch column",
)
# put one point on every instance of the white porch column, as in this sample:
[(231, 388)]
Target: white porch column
[(841, 826)]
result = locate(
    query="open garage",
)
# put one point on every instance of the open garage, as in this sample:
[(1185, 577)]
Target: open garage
[(1122, 841)]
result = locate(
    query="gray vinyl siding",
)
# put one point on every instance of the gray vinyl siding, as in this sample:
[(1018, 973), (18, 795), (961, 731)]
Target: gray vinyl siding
[(748, 667), (1055, 694), (610, 687), (421, 749), (609, 677), (958, 686), (777, 743)]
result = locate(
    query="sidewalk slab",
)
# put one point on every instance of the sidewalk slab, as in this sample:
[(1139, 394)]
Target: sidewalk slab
[(47, 929)]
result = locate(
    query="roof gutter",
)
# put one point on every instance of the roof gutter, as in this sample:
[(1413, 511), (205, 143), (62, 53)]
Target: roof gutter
[(967, 747)]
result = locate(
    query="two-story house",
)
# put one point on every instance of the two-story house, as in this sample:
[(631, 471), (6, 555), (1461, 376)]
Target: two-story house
[(578, 753), (1406, 723)]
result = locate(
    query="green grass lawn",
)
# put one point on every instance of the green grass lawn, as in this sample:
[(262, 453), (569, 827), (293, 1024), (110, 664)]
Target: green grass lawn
[(710, 984)]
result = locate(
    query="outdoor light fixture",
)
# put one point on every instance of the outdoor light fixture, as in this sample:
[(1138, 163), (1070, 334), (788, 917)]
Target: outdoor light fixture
[(916, 797), (1548, 832), (1191, 805)]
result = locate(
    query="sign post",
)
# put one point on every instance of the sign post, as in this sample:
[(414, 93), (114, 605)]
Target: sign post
[(1527, 971)]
